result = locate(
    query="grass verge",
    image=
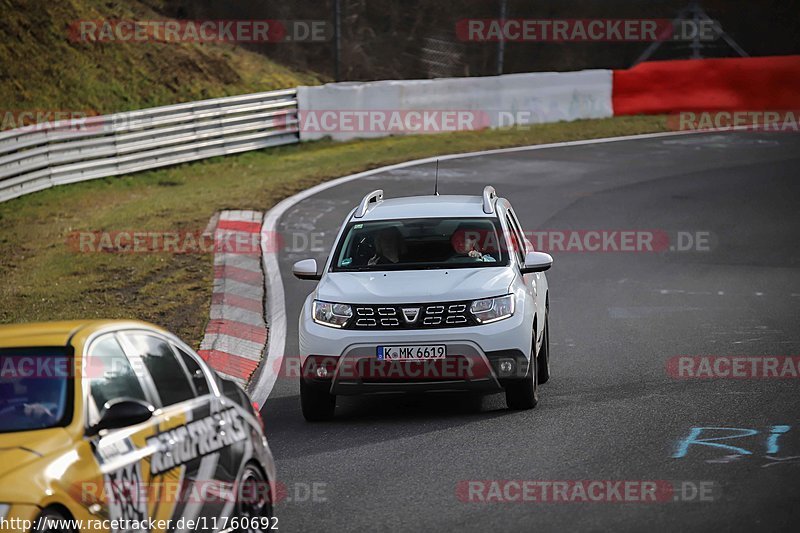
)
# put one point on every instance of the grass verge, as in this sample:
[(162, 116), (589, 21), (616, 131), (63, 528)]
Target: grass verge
[(44, 279), (46, 66)]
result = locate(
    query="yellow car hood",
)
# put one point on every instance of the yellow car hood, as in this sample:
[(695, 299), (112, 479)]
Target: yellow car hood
[(21, 448), (14, 458)]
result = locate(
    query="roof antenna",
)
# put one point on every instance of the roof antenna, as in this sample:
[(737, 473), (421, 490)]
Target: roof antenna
[(436, 185)]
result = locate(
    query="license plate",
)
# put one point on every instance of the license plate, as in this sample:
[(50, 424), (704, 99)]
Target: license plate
[(411, 353)]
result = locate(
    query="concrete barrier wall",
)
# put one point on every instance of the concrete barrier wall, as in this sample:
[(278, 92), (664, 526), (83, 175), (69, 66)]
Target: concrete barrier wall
[(375, 109)]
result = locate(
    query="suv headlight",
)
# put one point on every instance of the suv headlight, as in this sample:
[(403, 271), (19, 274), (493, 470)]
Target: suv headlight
[(331, 314), (493, 309)]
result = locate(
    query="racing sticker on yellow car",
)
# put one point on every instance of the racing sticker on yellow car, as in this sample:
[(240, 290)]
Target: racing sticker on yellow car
[(128, 501), (195, 439)]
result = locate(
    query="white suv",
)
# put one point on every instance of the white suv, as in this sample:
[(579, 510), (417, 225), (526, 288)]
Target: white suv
[(426, 293)]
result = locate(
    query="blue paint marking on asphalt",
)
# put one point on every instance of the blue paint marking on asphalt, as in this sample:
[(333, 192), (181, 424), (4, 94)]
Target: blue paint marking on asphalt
[(683, 445), (772, 441)]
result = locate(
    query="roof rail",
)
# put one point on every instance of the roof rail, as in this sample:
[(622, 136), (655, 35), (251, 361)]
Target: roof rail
[(489, 199), (372, 198)]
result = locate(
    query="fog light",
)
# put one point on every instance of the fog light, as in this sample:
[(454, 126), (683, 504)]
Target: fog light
[(506, 367), (322, 372)]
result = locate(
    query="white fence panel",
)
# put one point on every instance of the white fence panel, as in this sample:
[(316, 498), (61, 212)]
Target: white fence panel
[(493, 101)]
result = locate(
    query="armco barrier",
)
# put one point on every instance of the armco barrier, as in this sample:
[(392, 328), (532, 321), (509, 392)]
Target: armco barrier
[(740, 84), (525, 98), (37, 157)]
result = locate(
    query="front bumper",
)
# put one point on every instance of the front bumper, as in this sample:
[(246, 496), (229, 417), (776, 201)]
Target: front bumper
[(359, 372), (474, 354)]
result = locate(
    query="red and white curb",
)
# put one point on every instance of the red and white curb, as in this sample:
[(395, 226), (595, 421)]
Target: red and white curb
[(236, 334)]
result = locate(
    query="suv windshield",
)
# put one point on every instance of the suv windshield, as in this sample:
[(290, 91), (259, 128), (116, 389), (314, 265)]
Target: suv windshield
[(34, 385), (419, 243)]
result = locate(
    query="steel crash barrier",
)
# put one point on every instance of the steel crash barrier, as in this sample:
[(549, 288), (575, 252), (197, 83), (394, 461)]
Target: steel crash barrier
[(36, 157)]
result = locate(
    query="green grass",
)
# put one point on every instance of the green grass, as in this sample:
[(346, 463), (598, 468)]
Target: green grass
[(43, 70), (44, 279)]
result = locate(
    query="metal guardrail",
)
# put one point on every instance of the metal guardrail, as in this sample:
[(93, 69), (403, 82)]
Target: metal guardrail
[(38, 157)]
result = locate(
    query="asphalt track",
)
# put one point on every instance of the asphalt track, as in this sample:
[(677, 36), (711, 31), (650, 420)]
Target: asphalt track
[(611, 410)]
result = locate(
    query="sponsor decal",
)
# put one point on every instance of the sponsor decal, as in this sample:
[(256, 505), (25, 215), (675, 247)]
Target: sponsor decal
[(195, 439), (108, 451), (128, 502)]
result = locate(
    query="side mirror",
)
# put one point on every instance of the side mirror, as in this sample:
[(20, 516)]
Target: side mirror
[(306, 269), (537, 262), (122, 412)]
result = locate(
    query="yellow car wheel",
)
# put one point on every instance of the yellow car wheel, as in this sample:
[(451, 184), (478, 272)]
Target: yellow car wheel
[(254, 502), (51, 521)]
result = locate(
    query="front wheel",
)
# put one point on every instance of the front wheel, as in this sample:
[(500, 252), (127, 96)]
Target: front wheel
[(316, 402), (51, 521), (544, 353), (254, 509), (524, 393)]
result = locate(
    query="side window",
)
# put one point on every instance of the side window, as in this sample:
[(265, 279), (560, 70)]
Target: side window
[(167, 372), (196, 373), (110, 375), (518, 227), (519, 245)]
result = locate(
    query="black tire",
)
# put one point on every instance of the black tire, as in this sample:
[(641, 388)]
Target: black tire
[(543, 360), (524, 393), (254, 501), (317, 403), (51, 521)]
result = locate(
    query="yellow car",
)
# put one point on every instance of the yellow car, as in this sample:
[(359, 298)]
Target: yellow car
[(119, 426)]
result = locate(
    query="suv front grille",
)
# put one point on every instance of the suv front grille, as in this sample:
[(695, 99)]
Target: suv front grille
[(411, 316)]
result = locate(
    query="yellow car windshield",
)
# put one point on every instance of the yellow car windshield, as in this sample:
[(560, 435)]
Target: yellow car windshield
[(33, 388)]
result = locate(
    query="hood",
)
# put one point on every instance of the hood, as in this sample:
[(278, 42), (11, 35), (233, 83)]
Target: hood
[(13, 458), (415, 286), (20, 448)]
